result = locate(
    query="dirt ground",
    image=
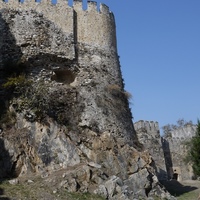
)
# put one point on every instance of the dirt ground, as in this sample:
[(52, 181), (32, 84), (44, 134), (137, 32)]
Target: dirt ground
[(185, 190)]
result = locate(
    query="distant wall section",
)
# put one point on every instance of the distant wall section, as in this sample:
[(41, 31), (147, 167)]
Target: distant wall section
[(175, 151), (148, 134), (168, 152)]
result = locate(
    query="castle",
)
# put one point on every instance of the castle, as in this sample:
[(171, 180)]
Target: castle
[(69, 117)]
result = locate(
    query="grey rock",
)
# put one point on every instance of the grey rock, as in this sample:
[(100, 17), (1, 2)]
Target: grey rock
[(13, 181)]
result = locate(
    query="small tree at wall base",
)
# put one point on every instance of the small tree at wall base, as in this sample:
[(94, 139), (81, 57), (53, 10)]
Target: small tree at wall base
[(194, 151)]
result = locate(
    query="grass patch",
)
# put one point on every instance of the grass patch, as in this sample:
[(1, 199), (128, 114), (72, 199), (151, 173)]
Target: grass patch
[(38, 190), (85, 196), (193, 195)]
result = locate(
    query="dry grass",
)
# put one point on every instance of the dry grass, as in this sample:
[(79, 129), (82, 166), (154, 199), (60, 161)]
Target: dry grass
[(39, 190), (128, 95), (118, 91)]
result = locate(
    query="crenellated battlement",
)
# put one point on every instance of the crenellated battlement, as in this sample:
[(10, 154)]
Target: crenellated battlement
[(183, 133), (150, 126), (92, 6), (93, 26)]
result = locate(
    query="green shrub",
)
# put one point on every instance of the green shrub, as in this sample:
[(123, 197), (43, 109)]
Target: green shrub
[(16, 81), (194, 151), (18, 84)]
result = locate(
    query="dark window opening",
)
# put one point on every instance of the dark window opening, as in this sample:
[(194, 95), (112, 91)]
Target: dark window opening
[(175, 176), (63, 76)]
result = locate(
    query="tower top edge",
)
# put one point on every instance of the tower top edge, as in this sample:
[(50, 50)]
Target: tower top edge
[(77, 5)]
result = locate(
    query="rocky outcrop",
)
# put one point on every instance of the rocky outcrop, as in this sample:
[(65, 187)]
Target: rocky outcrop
[(65, 108), (85, 162)]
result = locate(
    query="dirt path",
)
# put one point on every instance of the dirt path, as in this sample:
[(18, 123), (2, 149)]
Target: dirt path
[(185, 190)]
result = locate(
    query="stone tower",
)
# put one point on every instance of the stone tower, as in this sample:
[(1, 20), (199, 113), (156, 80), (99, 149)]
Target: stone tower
[(64, 106), (85, 38)]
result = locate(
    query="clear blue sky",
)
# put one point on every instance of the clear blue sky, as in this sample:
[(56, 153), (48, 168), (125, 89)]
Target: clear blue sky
[(159, 49)]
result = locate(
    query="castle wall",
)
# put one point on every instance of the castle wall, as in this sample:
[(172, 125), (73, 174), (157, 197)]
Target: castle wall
[(53, 34), (168, 153), (148, 134), (150, 126), (185, 132), (95, 28), (175, 151), (61, 14), (91, 27)]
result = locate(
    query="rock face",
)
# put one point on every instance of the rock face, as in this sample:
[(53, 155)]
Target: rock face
[(63, 104)]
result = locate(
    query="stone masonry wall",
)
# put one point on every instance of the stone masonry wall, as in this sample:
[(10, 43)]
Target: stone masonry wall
[(185, 132), (175, 151), (95, 28), (92, 27), (148, 134), (169, 152)]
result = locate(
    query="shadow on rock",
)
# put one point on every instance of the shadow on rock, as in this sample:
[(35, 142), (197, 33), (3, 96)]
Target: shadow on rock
[(5, 161), (175, 188), (5, 166)]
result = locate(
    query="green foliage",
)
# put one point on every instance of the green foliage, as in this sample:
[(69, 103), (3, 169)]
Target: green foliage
[(194, 151), (167, 130), (17, 85), (14, 72), (13, 82)]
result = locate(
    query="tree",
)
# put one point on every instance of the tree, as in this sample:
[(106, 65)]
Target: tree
[(181, 122), (194, 151), (167, 130)]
